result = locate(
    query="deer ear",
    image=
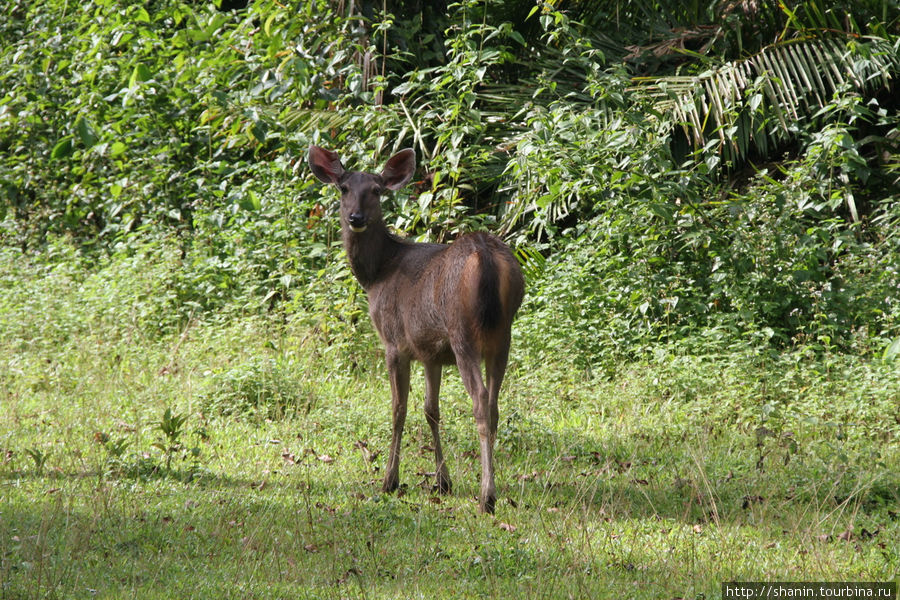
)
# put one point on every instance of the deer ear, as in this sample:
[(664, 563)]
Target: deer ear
[(399, 169), (325, 164)]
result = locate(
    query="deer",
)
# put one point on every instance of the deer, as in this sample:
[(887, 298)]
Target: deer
[(437, 304)]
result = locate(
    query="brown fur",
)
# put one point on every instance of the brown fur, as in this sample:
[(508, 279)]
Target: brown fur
[(435, 303)]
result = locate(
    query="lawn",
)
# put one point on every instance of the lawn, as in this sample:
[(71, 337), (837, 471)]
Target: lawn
[(658, 479)]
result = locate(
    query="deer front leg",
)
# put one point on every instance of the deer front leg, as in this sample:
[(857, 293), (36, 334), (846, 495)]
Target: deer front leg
[(398, 368), (433, 416)]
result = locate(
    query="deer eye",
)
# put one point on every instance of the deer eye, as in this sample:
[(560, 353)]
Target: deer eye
[(344, 189)]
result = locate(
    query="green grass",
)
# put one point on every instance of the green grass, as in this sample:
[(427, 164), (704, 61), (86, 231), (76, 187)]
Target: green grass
[(660, 481)]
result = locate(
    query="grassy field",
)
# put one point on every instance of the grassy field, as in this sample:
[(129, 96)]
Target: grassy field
[(660, 479)]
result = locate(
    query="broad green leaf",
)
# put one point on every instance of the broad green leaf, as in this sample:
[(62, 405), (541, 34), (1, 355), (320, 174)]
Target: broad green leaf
[(63, 148), (754, 102), (198, 35), (259, 131), (86, 132), (140, 74), (250, 201), (892, 351)]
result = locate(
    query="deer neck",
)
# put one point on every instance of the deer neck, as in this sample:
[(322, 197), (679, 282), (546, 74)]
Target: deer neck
[(370, 252)]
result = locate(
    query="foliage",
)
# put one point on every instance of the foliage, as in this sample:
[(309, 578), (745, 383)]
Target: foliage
[(178, 134), (145, 133), (765, 99)]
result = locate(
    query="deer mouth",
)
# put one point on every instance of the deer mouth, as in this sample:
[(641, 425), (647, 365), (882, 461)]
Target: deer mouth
[(357, 222)]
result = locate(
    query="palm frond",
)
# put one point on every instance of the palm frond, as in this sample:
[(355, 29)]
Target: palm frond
[(306, 120), (760, 98)]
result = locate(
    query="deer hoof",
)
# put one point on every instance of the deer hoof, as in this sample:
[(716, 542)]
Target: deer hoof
[(390, 484), (443, 484)]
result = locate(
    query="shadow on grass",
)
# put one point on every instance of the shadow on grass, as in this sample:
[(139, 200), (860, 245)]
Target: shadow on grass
[(314, 530), (727, 478)]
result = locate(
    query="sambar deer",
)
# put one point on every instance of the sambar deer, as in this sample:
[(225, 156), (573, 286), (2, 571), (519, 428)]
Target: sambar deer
[(438, 304)]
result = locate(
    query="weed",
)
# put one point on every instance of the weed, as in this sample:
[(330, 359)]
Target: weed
[(39, 458), (171, 427), (261, 387)]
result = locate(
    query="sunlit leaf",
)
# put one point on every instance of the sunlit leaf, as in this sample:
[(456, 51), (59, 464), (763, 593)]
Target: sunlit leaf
[(62, 149)]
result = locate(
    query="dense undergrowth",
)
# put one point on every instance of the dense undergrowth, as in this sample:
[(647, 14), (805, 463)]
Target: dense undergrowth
[(179, 134)]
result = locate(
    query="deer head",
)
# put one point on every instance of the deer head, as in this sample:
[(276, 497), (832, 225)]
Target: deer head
[(361, 192)]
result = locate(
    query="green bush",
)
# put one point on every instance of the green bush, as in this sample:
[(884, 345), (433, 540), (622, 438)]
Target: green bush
[(176, 138)]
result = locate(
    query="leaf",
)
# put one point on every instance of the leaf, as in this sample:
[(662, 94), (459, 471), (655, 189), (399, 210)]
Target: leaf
[(250, 201), (116, 149), (517, 37), (892, 351), (140, 74), (797, 77), (754, 102), (86, 132), (259, 131), (846, 536), (62, 149), (198, 35)]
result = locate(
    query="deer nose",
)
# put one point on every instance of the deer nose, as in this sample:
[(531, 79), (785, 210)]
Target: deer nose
[(357, 222)]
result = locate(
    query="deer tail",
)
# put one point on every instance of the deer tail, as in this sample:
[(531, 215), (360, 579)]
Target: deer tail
[(490, 305)]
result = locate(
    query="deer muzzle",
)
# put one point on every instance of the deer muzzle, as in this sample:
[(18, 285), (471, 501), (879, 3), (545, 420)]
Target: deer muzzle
[(357, 222)]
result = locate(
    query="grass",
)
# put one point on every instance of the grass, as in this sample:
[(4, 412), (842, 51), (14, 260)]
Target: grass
[(660, 481)]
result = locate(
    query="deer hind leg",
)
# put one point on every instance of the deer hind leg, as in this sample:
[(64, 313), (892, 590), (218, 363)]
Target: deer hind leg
[(433, 416), (485, 419), (494, 370), (398, 368)]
